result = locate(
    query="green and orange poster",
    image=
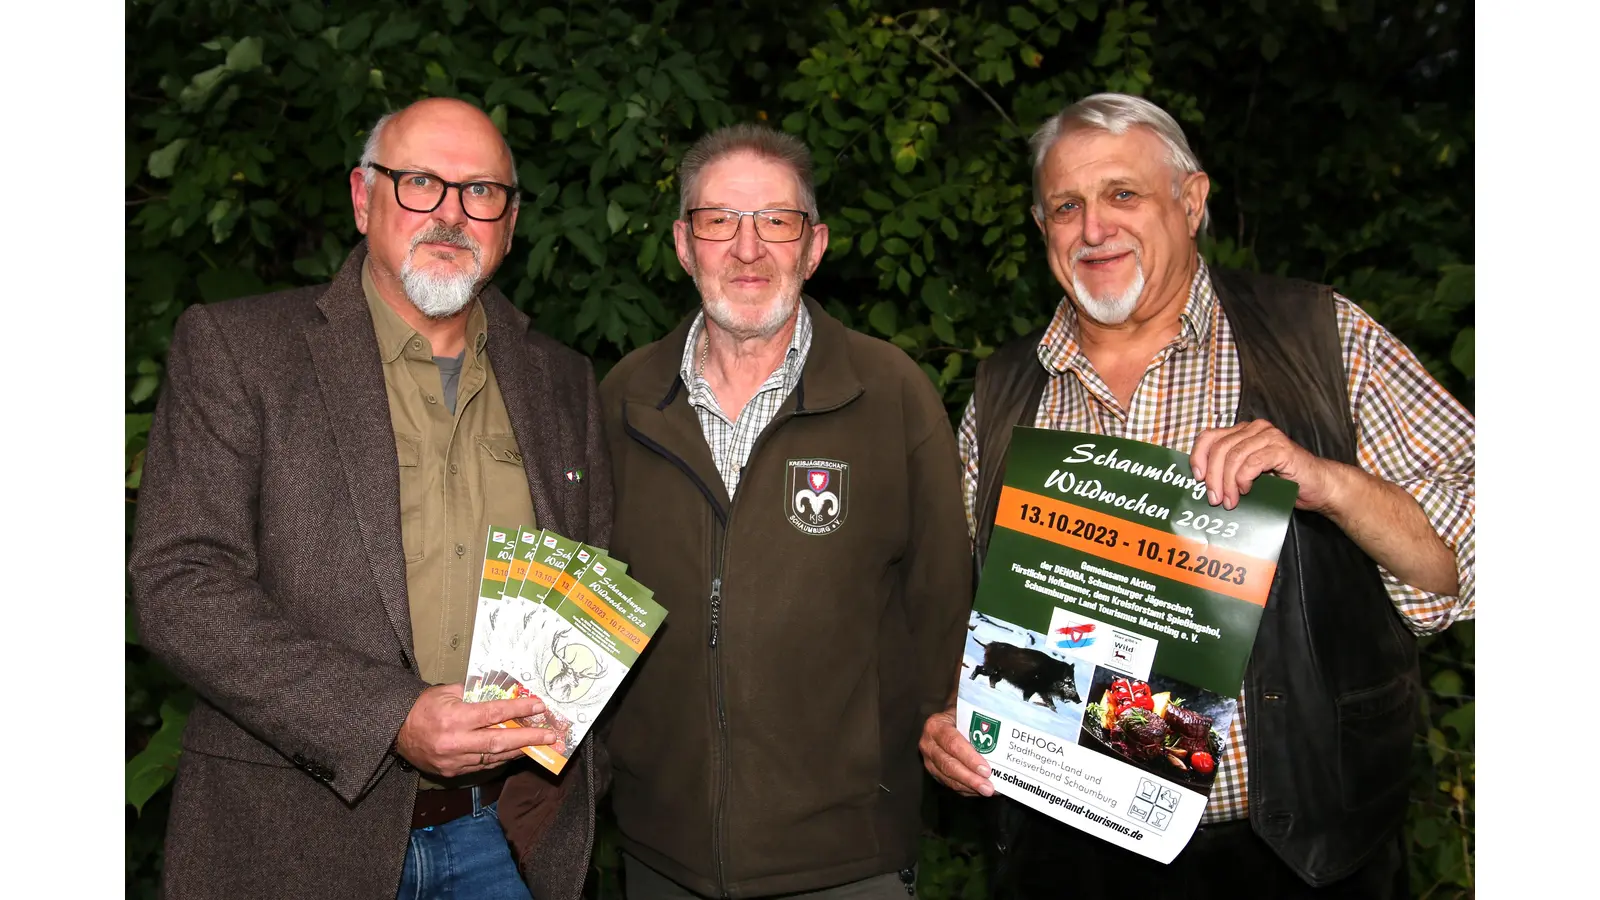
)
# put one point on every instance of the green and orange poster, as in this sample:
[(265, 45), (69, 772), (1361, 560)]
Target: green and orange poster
[(1114, 617)]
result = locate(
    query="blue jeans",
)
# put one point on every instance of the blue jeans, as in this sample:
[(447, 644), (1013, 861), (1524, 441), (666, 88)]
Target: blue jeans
[(466, 858)]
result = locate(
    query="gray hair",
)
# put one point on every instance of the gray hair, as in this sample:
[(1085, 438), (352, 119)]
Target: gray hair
[(1115, 114), (759, 140), (369, 154)]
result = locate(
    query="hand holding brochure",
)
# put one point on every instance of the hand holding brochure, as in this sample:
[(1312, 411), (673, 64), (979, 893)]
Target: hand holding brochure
[(560, 621)]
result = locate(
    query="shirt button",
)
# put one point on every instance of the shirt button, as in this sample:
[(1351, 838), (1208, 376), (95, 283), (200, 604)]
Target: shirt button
[(432, 399), (461, 549), (453, 469), (455, 641), (416, 345)]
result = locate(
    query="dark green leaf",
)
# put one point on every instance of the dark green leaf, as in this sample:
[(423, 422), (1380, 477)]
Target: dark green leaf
[(877, 200), (164, 162), (355, 32), (152, 768), (885, 318), (1462, 720), (245, 55), (1461, 352), (586, 244), (400, 29), (1446, 682)]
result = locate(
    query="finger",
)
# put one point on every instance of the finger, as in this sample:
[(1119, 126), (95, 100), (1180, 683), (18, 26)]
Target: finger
[(1223, 484), (1215, 462), (961, 762), (1199, 454), (1228, 478), (939, 775), (495, 760), (1252, 467), (957, 774), (493, 712), (1265, 451), (513, 738), (959, 749)]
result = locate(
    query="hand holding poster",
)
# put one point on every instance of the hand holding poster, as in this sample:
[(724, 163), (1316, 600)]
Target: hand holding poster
[(1113, 621)]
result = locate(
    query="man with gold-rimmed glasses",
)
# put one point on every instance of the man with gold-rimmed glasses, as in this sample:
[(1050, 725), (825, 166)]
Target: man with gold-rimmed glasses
[(322, 469), (790, 489)]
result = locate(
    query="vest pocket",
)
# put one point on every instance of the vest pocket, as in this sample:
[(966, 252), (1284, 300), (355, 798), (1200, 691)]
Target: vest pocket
[(413, 491), (1376, 732)]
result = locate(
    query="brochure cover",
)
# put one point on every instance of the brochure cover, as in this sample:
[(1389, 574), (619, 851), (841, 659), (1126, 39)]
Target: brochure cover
[(528, 642)]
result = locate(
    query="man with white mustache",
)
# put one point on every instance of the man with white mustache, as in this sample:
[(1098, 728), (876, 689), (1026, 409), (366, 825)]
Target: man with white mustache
[(790, 490), (322, 470), (1248, 374)]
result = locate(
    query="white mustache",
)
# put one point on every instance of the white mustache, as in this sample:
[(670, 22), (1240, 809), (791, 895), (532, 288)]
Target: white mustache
[(1104, 250)]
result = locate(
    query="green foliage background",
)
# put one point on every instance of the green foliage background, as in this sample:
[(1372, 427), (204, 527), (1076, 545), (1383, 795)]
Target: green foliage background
[(1338, 135)]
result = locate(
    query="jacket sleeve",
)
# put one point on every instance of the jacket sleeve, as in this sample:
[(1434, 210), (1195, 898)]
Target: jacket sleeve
[(938, 563), (201, 610)]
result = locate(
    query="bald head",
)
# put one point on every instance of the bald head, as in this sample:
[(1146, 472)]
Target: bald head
[(439, 115)]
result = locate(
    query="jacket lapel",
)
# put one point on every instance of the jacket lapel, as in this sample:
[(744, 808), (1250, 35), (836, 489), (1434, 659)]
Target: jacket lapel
[(657, 413), (344, 354), (525, 387)]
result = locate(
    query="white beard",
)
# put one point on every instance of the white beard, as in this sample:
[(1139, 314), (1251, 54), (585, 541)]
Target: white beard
[(436, 296), (769, 320), (1110, 310)]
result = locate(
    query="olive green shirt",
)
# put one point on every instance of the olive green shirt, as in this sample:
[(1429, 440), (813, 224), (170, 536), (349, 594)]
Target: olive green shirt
[(459, 473)]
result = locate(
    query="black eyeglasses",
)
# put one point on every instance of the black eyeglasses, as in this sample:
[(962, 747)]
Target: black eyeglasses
[(485, 201), (775, 226)]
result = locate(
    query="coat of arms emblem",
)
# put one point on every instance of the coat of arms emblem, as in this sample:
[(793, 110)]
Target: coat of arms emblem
[(818, 495), (984, 732)]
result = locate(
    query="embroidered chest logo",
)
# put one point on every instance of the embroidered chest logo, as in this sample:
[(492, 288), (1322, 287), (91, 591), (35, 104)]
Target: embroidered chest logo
[(818, 497)]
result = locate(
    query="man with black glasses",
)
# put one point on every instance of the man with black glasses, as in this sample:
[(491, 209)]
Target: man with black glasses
[(791, 490), (322, 469)]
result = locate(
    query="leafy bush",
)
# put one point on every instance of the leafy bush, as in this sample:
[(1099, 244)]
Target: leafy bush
[(1338, 136)]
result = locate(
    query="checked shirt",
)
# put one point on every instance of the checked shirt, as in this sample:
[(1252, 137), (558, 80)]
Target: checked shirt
[(731, 440)]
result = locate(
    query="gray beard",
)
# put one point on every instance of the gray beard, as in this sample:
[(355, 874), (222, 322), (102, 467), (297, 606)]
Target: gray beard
[(438, 298)]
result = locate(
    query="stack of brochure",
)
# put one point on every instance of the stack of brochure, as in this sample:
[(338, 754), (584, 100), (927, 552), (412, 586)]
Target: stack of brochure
[(560, 621)]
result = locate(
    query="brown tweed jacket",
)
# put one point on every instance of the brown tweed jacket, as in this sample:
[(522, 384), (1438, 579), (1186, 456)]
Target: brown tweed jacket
[(268, 574)]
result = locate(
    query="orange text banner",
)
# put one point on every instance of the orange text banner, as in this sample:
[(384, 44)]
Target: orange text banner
[(1234, 574)]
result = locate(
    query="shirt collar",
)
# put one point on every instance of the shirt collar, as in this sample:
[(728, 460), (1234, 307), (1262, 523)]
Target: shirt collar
[(799, 343), (395, 335), (1059, 349)]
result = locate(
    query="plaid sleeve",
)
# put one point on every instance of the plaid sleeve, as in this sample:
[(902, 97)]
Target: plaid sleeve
[(967, 444), (1411, 432)]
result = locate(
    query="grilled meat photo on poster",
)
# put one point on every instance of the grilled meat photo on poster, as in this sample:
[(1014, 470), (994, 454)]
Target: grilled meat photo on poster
[(1163, 726)]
